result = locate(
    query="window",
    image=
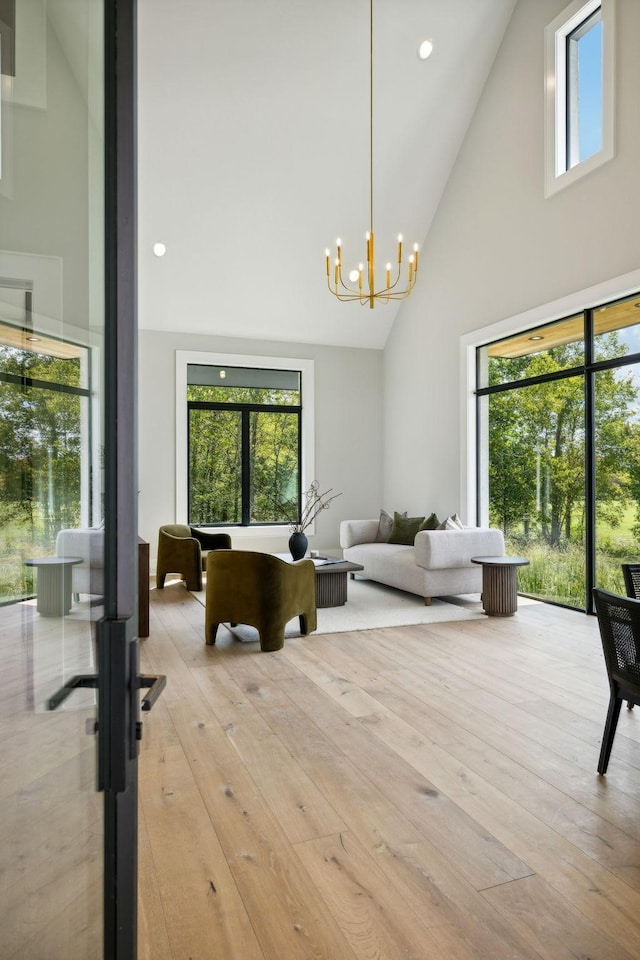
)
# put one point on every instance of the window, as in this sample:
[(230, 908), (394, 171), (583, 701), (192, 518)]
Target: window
[(558, 443), (44, 444), (245, 445), (579, 98)]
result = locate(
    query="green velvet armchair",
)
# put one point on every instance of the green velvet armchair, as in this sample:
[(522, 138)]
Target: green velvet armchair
[(260, 590), (184, 550)]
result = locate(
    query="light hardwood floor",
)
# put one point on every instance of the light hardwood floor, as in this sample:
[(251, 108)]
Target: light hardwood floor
[(50, 813), (412, 793)]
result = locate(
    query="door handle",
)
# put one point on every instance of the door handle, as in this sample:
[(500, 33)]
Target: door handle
[(80, 681), (155, 683)]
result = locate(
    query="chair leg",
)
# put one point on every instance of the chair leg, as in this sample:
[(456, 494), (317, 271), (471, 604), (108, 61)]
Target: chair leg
[(160, 580), (609, 733), (272, 640), (630, 704), (210, 633)]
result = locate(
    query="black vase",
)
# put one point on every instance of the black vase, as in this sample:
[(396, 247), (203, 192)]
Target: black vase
[(298, 544)]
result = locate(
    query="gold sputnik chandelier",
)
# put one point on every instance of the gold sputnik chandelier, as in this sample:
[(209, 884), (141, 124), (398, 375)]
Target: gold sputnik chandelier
[(356, 289)]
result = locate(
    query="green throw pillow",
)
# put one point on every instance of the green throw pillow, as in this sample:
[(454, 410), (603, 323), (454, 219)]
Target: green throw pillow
[(431, 523), (404, 529)]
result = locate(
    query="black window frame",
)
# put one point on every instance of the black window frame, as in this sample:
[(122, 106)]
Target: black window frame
[(245, 410), (588, 371)]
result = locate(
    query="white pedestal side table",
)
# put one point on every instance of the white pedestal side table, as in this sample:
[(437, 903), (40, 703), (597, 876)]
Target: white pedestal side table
[(54, 584)]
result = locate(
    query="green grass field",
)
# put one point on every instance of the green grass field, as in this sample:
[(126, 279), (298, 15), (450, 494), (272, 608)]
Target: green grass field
[(18, 542)]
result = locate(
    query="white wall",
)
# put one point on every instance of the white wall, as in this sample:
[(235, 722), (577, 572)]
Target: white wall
[(497, 248), (348, 429)]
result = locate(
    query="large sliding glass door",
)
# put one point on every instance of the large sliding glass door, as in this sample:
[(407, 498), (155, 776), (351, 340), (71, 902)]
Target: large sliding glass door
[(559, 432), (616, 389), (68, 671)]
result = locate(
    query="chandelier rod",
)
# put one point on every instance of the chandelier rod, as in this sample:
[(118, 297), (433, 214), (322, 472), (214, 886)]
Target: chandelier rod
[(371, 114)]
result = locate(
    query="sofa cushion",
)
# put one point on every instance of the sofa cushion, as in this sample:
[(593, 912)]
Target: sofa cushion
[(404, 529)]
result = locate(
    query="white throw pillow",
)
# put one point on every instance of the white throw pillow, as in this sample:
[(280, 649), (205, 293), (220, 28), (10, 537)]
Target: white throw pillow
[(385, 525), (452, 523)]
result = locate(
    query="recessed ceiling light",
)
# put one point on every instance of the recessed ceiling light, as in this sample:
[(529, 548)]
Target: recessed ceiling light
[(637, 304), (223, 374), (33, 339), (536, 338), (159, 249), (425, 49)]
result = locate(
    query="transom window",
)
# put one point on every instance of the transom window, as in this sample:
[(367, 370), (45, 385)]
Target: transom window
[(579, 99)]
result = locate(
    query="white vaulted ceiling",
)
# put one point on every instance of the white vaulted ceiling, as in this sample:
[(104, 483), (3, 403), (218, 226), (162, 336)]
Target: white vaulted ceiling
[(254, 152)]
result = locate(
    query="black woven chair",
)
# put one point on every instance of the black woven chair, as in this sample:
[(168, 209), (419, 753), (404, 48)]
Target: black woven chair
[(631, 574), (619, 622)]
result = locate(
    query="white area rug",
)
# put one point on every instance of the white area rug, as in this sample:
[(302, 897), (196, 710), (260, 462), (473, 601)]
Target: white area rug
[(371, 605)]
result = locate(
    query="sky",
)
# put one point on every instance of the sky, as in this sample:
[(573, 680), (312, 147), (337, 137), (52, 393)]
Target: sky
[(590, 91)]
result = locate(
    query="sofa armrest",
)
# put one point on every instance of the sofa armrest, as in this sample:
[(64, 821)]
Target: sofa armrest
[(357, 531), (442, 549)]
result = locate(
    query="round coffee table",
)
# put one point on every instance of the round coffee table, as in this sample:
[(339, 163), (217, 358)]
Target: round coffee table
[(500, 584), (54, 584)]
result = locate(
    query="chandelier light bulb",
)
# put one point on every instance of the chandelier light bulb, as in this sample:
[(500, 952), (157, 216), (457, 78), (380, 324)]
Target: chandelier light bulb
[(353, 275), (425, 49)]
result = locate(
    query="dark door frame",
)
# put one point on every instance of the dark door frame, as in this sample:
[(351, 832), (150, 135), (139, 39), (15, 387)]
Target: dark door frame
[(118, 662)]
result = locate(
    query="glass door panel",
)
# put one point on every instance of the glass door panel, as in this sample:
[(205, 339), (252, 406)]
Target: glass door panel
[(617, 488), (52, 292), (536, 495)]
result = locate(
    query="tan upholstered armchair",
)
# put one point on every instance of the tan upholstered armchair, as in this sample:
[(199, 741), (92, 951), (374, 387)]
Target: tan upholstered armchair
[(261, 590), (184, 550)]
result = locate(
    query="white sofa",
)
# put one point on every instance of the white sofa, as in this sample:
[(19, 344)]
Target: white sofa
[(88, 543), (437, 565)]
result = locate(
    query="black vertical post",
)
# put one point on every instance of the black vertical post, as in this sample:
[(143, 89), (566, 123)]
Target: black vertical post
[(118, 667), (590, 463)]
